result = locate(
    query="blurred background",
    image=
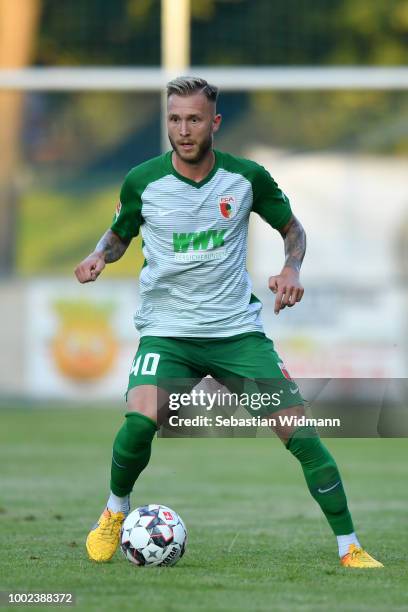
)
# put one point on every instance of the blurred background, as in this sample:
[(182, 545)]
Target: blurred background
[(314, 91)]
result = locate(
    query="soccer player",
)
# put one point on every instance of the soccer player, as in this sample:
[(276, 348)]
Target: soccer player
[(197, 314)]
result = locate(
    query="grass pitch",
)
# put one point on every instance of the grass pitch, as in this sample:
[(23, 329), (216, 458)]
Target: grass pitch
[(257, 540)]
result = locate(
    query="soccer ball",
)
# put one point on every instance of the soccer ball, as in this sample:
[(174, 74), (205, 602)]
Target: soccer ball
[(153, 535)]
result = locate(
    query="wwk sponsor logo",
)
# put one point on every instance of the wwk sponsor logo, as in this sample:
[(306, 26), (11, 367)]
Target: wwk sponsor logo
[(199, 241), (199, 246)]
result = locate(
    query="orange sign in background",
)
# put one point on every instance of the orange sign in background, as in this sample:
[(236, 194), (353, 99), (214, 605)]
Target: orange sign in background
[(80, 340), (85, 345)]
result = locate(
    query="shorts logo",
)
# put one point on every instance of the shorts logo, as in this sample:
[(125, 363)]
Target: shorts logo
[(118, 209), (227, 206), (284, 370)]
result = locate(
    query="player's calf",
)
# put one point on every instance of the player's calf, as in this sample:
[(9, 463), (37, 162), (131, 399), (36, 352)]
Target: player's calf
[(325, 485), (131, 454)]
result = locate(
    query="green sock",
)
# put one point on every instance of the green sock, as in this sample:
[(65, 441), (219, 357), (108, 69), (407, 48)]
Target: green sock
[(131, 452), (322, 478)]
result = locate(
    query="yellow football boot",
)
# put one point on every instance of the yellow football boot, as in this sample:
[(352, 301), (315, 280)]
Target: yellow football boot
[(103, 539), (357, 557)]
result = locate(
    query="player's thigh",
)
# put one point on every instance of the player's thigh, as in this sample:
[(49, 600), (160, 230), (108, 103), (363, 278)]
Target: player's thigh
[(161, 366), (250, 364)]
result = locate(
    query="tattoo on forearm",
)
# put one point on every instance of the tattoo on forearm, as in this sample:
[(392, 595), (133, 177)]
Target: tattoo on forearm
[(111, 246), (295, 245)]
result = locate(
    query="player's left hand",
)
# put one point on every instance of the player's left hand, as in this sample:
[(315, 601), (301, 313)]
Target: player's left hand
[(287, 288)]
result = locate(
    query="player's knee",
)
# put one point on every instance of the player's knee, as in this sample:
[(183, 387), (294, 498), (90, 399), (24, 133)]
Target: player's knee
[(142, 401), (133, 440), (146, 411), (140, 426), (304, 444)]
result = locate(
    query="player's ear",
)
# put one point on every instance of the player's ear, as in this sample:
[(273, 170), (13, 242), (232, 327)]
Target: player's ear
[(217, 122)]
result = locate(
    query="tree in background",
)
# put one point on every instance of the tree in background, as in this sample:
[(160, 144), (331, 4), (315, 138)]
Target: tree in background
[(73, 138), (18, 24), (251, 32)]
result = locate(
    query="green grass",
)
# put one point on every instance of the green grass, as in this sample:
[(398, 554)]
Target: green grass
[(257, 540)]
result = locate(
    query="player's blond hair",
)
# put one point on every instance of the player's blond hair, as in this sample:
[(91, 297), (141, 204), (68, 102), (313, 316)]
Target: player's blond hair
[(188, 85)]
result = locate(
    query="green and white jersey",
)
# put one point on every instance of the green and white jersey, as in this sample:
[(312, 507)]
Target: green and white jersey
[(194, 281)]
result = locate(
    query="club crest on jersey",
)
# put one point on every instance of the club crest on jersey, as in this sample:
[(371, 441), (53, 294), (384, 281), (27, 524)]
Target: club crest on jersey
[(284, 370), (227, 206), (118, 209)]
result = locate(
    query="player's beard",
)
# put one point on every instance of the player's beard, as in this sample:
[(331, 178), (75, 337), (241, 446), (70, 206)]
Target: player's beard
[(202, 150)]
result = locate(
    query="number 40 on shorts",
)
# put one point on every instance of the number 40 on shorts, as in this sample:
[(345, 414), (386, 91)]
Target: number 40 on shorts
[(146, 363)]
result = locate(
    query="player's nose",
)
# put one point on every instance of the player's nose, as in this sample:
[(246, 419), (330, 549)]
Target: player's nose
[(184, 128)]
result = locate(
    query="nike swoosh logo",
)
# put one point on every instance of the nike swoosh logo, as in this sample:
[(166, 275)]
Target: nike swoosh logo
[(293, 391), (163, 213), (330, 488), (122, 467)]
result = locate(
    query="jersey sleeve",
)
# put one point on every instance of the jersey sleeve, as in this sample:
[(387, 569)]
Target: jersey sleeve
[(128, 214), (269, 201)]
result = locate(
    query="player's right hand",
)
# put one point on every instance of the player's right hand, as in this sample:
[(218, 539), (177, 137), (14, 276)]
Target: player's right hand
[(90, 268)]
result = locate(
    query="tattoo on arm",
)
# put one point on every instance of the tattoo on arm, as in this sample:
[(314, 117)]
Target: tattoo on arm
[(294, 238), (111, 246)]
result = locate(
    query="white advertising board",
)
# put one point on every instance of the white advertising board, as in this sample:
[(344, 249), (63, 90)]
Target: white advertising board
[(353, 319)]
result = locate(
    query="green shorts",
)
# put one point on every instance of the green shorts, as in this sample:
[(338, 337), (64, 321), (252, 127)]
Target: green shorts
[(246, 363)]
